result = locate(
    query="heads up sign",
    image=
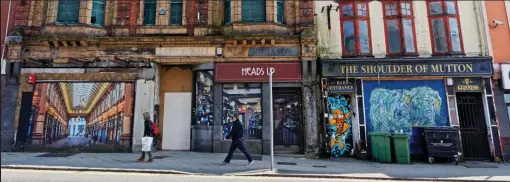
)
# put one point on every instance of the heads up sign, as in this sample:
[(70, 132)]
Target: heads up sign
[(408, 68)]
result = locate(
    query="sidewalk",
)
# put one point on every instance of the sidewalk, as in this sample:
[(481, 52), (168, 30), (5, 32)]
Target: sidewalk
[(177, 162)]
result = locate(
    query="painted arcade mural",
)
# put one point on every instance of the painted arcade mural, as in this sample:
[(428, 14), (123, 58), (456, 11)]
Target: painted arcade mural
[(397, 106), (81, 117), (340, 126)]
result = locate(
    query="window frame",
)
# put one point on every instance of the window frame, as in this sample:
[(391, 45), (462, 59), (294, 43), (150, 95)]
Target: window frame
[(355, 19), (98, 3), (59, 9), (227, 12), (445, 17), (179, 17), (280, 14), (146, 15), (399, 17), (247, 19)]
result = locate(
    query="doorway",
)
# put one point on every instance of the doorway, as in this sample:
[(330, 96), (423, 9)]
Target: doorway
[(288, 125), (473, 129)]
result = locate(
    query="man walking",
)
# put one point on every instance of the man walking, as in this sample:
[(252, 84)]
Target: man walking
[(147, 132), (237, 141)]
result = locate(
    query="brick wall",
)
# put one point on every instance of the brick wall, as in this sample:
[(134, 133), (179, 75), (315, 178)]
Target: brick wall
[(134, 15), (22, 13)]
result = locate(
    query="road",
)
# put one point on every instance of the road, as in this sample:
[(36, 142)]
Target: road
[(10, 175)]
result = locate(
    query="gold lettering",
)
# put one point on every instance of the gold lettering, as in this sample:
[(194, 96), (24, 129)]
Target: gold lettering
[(462, 68), (418, 68), (342, 69), (409, 68), (469, 67), (363, 69), (435, 68), (425, 68), (468, 87)]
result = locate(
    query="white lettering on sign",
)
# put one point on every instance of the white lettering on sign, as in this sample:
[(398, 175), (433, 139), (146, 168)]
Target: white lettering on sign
[(257, 71)]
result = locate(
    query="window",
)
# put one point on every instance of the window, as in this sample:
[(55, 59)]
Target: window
[(97, 17), (444, 27), (399, 26), (279, 11), (204, 97), (176, 12), (355, 23), (254, 10), (149, 12), (68, 11), (246, 100), (227, 12)]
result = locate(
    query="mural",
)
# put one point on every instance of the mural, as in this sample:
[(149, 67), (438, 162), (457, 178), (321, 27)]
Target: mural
[(339, 130), (81, 117), (287, 118), (396, 106), (204, 98)]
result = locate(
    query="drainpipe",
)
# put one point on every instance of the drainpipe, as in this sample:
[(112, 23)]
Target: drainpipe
[(6, 30)]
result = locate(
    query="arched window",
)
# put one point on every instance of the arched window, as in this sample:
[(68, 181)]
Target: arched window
[(399, 28), (444, 27), (355, 26), (68, 11)]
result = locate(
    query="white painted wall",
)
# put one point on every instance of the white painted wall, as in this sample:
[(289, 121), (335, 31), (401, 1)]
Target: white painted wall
[(330, 42), (144, 102)]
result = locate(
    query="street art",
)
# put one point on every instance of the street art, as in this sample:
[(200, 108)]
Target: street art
[(339, 130), (204, 95), (81, 117), (397, 106)]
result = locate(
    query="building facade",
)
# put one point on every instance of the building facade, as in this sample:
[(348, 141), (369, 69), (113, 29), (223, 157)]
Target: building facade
[(192, 63), (7, 78), (498, 29), (391, 65)]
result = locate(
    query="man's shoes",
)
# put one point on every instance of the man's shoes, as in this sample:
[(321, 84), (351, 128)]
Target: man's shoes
[(150, 160), (250, 163), (224, 163), (139, 159)]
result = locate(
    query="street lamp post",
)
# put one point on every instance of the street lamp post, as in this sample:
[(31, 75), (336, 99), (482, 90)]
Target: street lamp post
[(271, 122)]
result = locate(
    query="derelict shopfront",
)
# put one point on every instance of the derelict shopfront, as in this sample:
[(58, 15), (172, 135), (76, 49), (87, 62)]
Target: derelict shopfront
[(395, 94), (243, 88)]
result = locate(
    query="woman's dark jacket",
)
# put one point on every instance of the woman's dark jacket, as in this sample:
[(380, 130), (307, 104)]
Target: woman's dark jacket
[(148, 128)]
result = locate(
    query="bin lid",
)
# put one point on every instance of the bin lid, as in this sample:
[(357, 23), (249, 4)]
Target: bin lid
[(400, 136), (380, 133)]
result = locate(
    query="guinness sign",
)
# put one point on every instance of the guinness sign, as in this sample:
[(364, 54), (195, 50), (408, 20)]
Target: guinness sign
[(468, 85)]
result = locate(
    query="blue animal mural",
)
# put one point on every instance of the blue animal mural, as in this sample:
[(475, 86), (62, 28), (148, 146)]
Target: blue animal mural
[(396, 106), (339, 129)]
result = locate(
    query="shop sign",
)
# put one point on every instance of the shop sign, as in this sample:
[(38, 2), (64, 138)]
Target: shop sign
[(186, 51), (341, 85), (257, 72), (273, 51), (468, 84), (375, 69)]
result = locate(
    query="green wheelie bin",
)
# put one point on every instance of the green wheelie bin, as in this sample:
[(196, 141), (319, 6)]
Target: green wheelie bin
[(381, 146), (401, 148)]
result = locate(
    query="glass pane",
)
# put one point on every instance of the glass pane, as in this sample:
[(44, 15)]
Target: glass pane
[(364, 40), (227, 12), (245, 100), (68, 11), (408, 36), (454, 34), (149, 14), (349, 37), (347, 10), (175, 13), (406, 9), (450, 7), (507, 98), (438, 31), (393, 36), (280, 11), (391, 9), (436, 8), (204, 98), (362, 10), (254, 11), (287, 119)]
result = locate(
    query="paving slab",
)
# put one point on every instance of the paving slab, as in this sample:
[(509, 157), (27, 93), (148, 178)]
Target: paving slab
[(185, 162)]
